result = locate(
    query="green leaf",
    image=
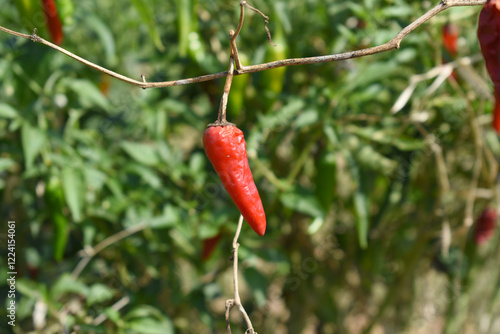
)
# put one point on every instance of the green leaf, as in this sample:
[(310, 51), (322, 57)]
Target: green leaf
[(360, 202), (304, 203), (283, 116), (325, 179), (65, 10), (88, 94), (387, 137), (151, 326), (7, 111), (145, 9), (55, 202), (143, 153), (184, 24), (74, 191), (306, 118), (258, 285), (361, 218), (67, 284), (169, 217), (315, 225), (147, 174), (148, 320), (29, 288), (6, 163), (33, 140), (105, 36), (98, 293)]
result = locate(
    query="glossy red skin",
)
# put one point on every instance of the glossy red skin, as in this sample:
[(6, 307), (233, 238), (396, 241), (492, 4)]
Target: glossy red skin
[(488, 33), (485, 226), (209, 246), (226, 149), (53, 22)]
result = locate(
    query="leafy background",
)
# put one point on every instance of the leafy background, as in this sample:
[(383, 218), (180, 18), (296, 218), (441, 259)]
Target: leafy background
[(368, 211)]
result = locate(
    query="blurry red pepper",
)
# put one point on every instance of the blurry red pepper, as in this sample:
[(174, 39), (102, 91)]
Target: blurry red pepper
[(209, 246), (450, 38), (485, 226), (450, 35), (226, 149), (53, 22), (488, 33)]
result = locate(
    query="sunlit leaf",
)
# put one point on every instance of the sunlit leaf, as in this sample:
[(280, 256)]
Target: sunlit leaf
[(6, 111), (142, 153), (33, 140), (74, 192)]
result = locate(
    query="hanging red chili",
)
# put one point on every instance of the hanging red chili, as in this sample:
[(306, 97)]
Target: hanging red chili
[(226, 149), (485, 226), (53, 22), (488, 33)]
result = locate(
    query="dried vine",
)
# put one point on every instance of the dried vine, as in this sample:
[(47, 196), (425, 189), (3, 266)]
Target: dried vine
[(239, 70)]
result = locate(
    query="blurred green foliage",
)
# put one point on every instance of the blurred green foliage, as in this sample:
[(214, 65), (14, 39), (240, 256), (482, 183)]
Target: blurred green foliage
[(365, 208)]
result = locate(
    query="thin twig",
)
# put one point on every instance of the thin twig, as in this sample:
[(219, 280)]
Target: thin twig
[(266, 21), (237, 300), (391, 45), (90, 252), (234, 34), (115, 307), (440, 71), (221, 118), (229, 306)]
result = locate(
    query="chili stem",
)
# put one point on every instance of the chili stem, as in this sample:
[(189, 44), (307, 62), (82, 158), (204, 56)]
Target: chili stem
[(221, 119)]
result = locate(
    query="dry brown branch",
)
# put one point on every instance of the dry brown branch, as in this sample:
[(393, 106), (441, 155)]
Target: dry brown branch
[(221, 119), (115, 307), (391, 45), (90, 252), (442, 72), (233, 35), (237, 301)]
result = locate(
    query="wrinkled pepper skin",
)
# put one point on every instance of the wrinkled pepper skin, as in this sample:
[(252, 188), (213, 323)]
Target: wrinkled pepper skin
[(226, 149), (488, 33), (53, 22)]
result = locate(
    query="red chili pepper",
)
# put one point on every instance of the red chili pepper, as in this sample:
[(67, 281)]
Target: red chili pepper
[(226, 149), (485, 226), (488, 33), (53, 22), (209, 246), (450, 38), (450, 35)]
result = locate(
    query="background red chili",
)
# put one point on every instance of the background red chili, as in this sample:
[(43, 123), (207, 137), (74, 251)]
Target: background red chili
[(485, 226), (226, 149), (53, 22), (450, 34), (450, 38), (209, 245), (488, 33)]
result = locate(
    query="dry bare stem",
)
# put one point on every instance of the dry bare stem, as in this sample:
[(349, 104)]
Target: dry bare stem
[(237, 301), (391, 45), (90, 252)]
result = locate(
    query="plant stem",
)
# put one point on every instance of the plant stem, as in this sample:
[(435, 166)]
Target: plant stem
[(237, 301)]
